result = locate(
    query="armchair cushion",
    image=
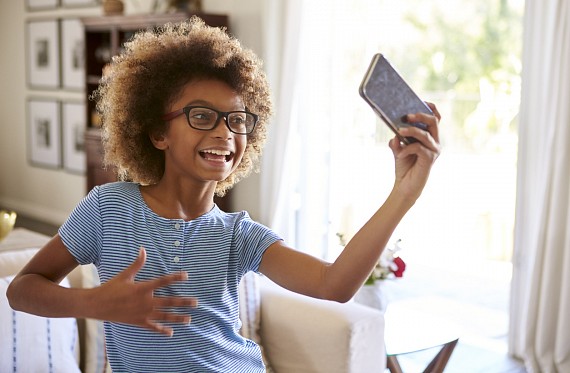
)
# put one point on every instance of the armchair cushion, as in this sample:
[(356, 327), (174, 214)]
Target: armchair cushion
[(302, 334)]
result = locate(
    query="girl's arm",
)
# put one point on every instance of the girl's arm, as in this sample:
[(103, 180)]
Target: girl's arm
[(36, 290), (339, 281)]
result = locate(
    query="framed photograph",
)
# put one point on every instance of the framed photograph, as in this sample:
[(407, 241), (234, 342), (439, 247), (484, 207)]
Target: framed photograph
[(78, 3), (43, 54), (72, 54), (44, 137), (41, 4), (73, 128)]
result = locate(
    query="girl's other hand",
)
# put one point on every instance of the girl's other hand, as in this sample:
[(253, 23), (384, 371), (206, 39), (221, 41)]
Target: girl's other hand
[(123, 300)]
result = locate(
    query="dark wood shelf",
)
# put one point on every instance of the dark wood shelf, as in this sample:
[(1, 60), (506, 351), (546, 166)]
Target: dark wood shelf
[(139, 22)]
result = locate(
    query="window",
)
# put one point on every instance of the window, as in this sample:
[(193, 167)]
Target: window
[(462, 55)]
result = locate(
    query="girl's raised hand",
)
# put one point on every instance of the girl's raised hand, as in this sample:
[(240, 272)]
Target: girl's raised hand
[(414, 161)]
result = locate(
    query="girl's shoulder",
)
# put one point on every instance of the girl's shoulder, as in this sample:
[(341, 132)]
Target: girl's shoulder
[(119, 186), (116, 192), (242, 222), (124, 188)]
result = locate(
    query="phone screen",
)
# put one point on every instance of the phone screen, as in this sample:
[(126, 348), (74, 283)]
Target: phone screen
[(390, 96)]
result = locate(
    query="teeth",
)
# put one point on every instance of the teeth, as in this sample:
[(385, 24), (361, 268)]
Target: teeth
[(217, 152)]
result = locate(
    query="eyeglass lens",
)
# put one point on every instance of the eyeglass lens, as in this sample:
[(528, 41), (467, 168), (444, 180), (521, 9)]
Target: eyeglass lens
[(202, 118)]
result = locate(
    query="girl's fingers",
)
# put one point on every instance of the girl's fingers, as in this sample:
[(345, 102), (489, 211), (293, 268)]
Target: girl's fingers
[(157, 320), (173, 317), (160, 328), (426, 138), (169, 302), (434, 109), (431, 121), (165, 280), (423, 152)]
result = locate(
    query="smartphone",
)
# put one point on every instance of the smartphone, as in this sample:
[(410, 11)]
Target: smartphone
[(391, 97)]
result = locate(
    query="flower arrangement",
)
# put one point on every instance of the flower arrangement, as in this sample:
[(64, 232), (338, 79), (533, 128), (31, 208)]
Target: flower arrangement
[(390, 265)]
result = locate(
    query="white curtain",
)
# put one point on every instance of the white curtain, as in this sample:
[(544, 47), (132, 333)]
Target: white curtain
[(294, 173), (282, 36), (540, 295)]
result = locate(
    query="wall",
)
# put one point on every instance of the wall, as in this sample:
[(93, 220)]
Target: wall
[(50, 195)]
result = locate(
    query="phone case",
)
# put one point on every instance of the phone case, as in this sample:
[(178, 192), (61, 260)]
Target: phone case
[(391, 97)]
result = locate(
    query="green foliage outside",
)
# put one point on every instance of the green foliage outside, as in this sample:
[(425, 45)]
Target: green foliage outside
[(470, 58)]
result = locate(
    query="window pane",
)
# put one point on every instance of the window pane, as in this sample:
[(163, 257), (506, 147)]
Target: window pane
[(465, 57)]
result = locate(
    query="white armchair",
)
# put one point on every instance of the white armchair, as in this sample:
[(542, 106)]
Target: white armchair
[(297, 333), (302, 335)]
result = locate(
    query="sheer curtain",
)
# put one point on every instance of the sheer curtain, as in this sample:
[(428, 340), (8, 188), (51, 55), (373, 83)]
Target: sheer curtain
[(315, 45), (282, 35), (540, 295), (294, 173)]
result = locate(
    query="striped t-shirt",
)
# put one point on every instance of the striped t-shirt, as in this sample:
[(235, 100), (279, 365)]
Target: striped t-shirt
[(109, 226)]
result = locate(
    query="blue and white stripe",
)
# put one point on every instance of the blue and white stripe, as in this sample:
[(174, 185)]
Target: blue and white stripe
[(110, 225)]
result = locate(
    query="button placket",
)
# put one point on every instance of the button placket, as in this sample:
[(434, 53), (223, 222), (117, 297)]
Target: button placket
[(177, 245)]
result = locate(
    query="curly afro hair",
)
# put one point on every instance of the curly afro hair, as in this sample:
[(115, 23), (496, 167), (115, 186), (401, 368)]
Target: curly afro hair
[(142, 81)]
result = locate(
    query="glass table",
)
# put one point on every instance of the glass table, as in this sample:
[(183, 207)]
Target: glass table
[(411, 327)]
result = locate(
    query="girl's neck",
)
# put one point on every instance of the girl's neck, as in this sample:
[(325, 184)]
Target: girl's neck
[(175, 201)]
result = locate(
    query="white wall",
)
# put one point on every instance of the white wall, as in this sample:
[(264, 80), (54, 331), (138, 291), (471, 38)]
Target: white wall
[(50, 195)]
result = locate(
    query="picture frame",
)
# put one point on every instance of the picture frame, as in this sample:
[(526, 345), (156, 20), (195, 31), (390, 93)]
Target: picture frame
[(72, 54), (43, 62), (33, 5), (78, 3), (73, 137), (43, 132)]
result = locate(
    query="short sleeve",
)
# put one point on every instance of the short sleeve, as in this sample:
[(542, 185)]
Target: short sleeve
[(81, 232), (252, 240)]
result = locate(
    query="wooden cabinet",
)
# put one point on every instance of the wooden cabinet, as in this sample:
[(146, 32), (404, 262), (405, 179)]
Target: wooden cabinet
[(96, 174), (104, 38)]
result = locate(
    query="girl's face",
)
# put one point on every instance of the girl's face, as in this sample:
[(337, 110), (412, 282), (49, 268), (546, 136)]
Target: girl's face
[(202, 156)]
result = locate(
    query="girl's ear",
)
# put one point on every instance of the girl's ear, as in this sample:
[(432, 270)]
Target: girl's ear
[(158, 140)]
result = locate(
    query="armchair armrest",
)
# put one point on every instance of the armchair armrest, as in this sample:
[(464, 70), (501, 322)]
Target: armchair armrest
[(303, 334)]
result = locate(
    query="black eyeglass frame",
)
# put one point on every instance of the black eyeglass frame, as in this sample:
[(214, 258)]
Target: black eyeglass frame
[(221, 114)]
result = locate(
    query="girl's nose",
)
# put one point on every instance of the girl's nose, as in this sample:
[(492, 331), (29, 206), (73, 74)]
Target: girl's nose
[(222, 130)]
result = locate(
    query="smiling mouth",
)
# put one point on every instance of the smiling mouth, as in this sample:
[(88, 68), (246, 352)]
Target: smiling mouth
[(217, 155)]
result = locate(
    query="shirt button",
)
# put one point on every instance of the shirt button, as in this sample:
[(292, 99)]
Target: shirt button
[(176, 259), (176, 243), (177, 226)]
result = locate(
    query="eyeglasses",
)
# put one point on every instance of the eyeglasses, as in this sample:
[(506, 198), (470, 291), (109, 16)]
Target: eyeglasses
[(206, 119)]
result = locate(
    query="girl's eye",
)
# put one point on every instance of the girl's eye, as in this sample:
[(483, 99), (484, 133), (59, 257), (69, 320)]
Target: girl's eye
[(201, 116), (237, 119)]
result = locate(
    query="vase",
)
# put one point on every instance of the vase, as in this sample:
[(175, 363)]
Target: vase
[(373, 295), (7, 221)]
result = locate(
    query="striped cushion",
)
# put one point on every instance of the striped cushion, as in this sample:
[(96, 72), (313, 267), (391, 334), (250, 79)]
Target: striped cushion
[(36, 344), (250, 311), (249, 307)]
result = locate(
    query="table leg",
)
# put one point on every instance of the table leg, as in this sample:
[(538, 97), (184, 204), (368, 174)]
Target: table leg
[(437, 365), (393, 364)]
